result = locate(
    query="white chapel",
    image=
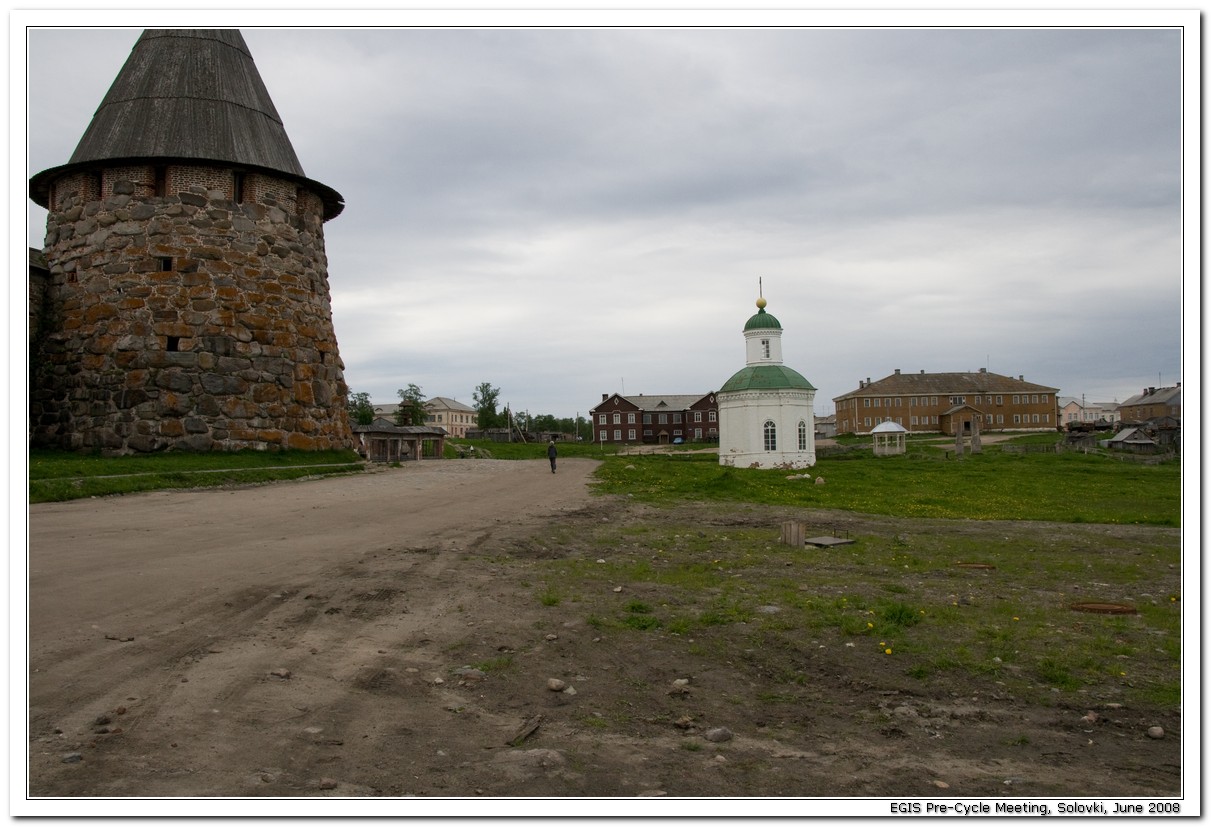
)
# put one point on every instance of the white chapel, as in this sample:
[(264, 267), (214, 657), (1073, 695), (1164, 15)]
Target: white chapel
[(765, 409)]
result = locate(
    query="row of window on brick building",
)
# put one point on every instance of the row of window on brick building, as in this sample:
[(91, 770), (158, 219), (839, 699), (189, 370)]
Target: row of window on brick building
[(986, 419), (922, 401), (663, 419), (660, 419), (711, 433)]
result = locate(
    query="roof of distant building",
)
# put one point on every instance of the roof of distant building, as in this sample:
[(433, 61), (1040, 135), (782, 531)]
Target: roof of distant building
[(1156, 396), (1133, 435), (446, 403), (945, 384), (1064, 401), (656, 403), (386, 426)]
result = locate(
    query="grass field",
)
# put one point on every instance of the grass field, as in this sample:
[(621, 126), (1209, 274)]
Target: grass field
[(1068, 487), (980, 607), (925, 482), (57, 475)]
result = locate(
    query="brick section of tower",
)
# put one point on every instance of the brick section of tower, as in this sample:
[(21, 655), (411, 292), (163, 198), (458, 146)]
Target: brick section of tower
[(189, 320)]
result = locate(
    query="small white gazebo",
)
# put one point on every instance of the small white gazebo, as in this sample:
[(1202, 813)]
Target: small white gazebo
[(889, 438)]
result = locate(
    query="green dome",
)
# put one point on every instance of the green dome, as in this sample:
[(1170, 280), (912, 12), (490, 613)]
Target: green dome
[(762, 321), (765, 378)]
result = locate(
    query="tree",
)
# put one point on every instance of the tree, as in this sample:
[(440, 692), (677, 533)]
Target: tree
[(544, 422), (485, 397), (361, 409), (411, 409)]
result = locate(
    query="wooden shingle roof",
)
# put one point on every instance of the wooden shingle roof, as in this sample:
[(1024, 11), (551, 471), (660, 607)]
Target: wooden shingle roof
[(189, 94)]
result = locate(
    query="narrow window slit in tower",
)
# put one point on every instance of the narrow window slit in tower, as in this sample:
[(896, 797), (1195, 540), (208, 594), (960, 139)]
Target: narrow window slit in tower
[(173, 344), (166, 264)]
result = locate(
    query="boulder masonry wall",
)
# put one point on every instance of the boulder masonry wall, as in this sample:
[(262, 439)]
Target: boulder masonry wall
[(186, 321)]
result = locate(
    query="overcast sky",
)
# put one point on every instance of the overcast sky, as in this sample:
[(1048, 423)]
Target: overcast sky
[(570, 212)]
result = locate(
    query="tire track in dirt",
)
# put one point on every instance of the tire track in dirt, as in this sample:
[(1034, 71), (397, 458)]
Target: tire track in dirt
[(322, 596)]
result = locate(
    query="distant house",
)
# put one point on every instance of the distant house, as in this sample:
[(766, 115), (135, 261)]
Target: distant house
[(450, 414), (1135, 440), (826, 426), (441, 411), (1153, 403), (946, 402), (659, 419), (1073, 410)]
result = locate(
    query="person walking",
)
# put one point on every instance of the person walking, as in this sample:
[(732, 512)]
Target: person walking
[(551, 454)]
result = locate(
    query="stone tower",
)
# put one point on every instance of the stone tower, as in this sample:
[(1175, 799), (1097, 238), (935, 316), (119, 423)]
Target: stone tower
[(188, 303), (765, 409)]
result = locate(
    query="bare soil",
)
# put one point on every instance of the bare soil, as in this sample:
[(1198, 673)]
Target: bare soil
[(310, 639)]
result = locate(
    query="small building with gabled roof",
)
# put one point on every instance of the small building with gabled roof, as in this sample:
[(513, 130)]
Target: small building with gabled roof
[(1133, 439), (384, 441)]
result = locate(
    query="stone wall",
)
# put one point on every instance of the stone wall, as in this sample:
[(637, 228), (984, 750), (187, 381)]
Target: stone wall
[(188, 321)]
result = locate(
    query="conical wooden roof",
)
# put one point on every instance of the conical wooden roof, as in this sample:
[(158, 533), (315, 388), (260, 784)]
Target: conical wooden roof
[(189, 94)]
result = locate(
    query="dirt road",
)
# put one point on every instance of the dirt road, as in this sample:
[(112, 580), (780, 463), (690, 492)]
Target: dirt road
[(162, 605)]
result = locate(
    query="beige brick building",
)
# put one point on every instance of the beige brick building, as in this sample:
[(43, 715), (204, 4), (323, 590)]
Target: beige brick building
[(456, 417), (948, 402), (1153, 403)]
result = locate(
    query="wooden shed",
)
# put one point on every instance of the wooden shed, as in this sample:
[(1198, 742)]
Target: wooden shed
[(384, 441)]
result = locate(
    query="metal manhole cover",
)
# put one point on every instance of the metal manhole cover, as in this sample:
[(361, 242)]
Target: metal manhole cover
[(1104, 608)]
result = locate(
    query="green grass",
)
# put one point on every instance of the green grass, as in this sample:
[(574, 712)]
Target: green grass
[(58, 475), (1068, 487), (1005, 629), (495, 665), (550, 596)]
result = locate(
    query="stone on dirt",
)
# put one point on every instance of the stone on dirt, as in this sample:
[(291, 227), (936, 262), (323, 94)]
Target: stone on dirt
[(718, 735)]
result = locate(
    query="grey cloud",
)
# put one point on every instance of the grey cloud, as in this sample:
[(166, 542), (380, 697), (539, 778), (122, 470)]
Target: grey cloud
[(589, 205)]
